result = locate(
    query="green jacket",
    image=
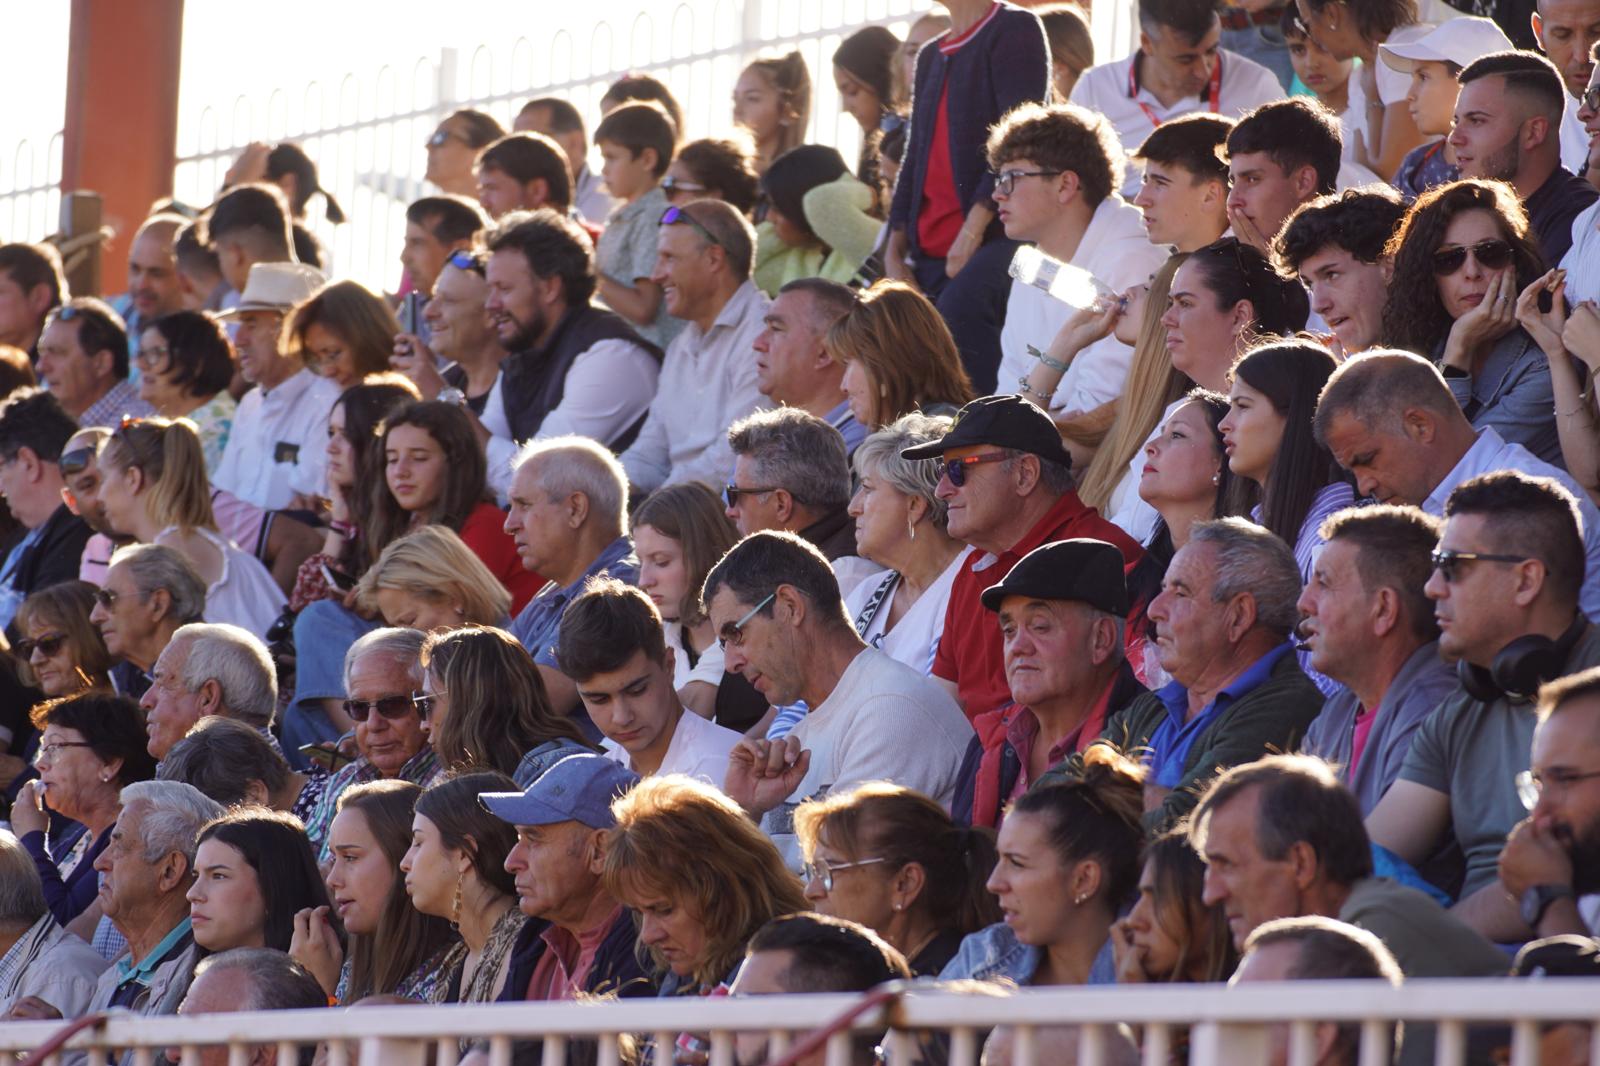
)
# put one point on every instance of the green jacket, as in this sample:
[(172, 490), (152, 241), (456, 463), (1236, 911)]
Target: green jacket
[(1272, 717)]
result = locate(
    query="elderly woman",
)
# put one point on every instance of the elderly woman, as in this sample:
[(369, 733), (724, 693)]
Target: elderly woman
[(185, 363), (61, 651), (900, 524), (91, 746)]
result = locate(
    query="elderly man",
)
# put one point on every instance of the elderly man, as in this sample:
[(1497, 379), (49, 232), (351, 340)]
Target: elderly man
[(149, 593), (250, 979), (1282, 838), (34, 432), (791, 472), (145, 875), (568, 516), (47, 972), (1222, 620), (154, 286), (83, 361), (383, 676), (793, 369), (1008, 482), (208, 668), (1390, 419), (708, 378), (1370, 627), (1552, 857), (775, 606), (581, 941), (1062, 609), (1505, 583)]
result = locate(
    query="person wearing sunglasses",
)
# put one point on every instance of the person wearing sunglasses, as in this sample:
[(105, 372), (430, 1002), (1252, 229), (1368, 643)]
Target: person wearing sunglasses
[(453, 147), (382, 680), (34, 431), (1507, 128), (711, 169), (1506, 578), (60, 648), (1461, 258)]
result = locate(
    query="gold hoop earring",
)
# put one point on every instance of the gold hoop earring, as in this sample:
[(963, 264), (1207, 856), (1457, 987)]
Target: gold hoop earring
[(455, 905), (911, 529)]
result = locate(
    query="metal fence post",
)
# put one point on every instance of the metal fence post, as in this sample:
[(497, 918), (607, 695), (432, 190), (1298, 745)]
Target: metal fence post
[(445, 79)]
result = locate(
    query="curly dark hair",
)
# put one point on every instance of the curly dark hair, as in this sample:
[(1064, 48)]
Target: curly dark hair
[(725, 169), (1414, 317), (1060, 137), (1359, 220)]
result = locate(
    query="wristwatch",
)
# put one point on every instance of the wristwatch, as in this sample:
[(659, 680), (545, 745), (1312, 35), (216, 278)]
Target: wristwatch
[(1537, 899), (453, 396)]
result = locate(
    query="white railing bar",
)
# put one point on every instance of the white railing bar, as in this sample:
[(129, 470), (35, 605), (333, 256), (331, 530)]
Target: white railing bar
[(1450, 1044)]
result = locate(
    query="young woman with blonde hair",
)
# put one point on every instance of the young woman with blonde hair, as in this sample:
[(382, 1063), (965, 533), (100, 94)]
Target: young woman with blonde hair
[(772, 99), (898, 356), (430, 579)]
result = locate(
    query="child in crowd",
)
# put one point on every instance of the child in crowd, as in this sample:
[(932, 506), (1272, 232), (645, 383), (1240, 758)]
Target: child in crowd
[(636, 141), (1315, 67)]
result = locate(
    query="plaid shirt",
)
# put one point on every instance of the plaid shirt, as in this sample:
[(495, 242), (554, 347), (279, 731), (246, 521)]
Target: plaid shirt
[(422, 769), (121, 399)]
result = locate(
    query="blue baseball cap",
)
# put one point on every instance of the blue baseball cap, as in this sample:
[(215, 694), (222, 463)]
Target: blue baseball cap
[(579, 788)]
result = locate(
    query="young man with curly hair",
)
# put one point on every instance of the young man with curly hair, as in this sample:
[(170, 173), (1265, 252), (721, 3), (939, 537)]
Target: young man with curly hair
[(1334, 244)]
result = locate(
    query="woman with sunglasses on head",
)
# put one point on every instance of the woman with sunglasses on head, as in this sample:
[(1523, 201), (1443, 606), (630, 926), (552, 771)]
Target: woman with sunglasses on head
[(894, 861), (712, 169), (1069, 861), (898, 357), (254, 871), (1462, 256), (185, 364), (345, 332), (155, 490), (392, 948)]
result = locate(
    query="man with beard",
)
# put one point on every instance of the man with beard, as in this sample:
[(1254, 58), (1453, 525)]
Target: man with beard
[(1552, 857), (1567, 31), (573, 368), (1508, 127)]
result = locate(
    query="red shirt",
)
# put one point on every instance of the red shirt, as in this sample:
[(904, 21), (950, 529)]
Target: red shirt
[(971, 652), (1358, 741), (564, 967), (940, 217), (484, 532)]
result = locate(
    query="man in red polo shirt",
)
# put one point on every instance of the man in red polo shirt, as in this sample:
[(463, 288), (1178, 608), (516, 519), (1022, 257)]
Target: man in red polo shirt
[(1008, 482)]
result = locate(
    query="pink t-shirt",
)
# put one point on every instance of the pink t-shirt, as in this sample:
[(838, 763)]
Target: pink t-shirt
[(562, 970), (1358, 740)]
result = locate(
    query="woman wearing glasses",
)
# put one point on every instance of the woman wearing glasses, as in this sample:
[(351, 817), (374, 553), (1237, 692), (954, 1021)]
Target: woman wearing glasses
[(91, 746), (894, 861), (1461, 258), (898, 357), (711, 169), (62, 652), (1069, 861), (185, 364), (344, 331)]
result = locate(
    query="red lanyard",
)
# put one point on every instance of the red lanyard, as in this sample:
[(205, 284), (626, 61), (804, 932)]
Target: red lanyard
[(1213, 90)]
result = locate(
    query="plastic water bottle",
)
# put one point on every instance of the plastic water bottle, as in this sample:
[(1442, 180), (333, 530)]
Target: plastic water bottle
[(1073, 286)]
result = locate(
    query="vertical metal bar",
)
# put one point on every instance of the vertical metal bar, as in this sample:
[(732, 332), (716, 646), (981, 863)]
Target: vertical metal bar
[(721, 1048), (1450, 1044), (1091, 1045), (838, 1050), (239, 1053), (1024, 1045), (610, 1054), (1157, 1044), (1524, 1043), (500, 1051), (448, 1051), (964, 1047), (1302, 1043), (666, 1049), (1375, 1040)]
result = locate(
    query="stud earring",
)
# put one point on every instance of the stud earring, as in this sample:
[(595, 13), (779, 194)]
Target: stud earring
[(1216, 479), (1077, 901)]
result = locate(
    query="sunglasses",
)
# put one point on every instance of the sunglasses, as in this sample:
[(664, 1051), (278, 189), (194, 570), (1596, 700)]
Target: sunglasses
[(390, 707), (47, 646), (670, 185), (956, 469), (1491, 255), (76, 461), (1591, 98), (442, 137), (106, 598), (675, 216), (731, 493), (463, 260), (1448, 563), (424, 702), (733, 632)]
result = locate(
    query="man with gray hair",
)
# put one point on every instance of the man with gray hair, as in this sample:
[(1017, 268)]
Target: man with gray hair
[(1223, 621), (45, 971), (146, 872), (793, 366), (790, 472), (251, 979), (568, 517), (383, 676), (208, 668), (150, 592)]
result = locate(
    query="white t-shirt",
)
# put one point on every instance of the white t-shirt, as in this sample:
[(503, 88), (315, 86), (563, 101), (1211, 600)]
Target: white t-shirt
[(699, 748), (708, 668), (884, 721), (278, 445), (1243, 85), (1116, 250), (1582, 261), (915, 638)]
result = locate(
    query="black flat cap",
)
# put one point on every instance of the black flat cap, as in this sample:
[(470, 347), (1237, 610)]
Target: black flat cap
[(1001, 421), (1089, 571)]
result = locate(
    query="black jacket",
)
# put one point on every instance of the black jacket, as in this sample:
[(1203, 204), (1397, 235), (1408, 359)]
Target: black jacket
[(53, 558)]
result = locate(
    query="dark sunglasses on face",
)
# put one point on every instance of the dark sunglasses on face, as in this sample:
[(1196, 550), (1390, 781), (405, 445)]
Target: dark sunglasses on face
[(1448, 563), (47, 646), (676, 216), (731, 494), (1491, 255), (390, 707), (76, 461), (956, 469)]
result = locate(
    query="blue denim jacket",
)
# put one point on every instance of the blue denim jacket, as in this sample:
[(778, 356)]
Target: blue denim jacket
[(995, 953)]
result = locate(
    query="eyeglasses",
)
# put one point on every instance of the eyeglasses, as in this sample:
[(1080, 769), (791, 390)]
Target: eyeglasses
[(46, 645), (151, 356), (1448, 563), (1591, 98), (733, 632), (732, 492), (1006, 180), (424, 702), (464, 260), (76, 461), (1530, 783), (47, 752), (106, 598), (390, 707), (823, 872), (1491, 255), (674, 216), (442, 137), (956, 469), (671, 185)]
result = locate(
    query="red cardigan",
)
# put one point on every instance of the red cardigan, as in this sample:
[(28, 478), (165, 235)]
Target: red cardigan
[(484, 532)]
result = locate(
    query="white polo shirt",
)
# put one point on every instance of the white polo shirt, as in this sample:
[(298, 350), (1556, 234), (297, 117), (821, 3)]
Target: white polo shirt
[(699, 748), (279, 442), (1242, 86)]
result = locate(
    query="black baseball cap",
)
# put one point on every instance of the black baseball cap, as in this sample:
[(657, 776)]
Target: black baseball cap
[(1003, 421), (1086, 570)]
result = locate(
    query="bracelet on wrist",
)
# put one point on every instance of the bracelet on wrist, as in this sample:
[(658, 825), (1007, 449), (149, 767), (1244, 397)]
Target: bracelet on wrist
[(1024, 389), (1054, 364), (347, 530)]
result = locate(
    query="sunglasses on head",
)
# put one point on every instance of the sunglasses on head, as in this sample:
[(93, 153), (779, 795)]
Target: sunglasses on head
[(677, 216), (48, 645), (464, 260), (390, 707), (1491, 255)]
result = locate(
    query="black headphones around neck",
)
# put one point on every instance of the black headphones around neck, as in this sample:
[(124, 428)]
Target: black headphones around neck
[(1522, 666)]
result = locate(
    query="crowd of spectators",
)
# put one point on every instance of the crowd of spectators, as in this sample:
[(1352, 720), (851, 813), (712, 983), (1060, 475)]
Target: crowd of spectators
[(1135, 523)]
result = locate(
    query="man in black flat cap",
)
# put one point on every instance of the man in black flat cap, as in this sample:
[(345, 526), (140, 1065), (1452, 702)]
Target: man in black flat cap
[(1062, 611), (1008, 481)]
